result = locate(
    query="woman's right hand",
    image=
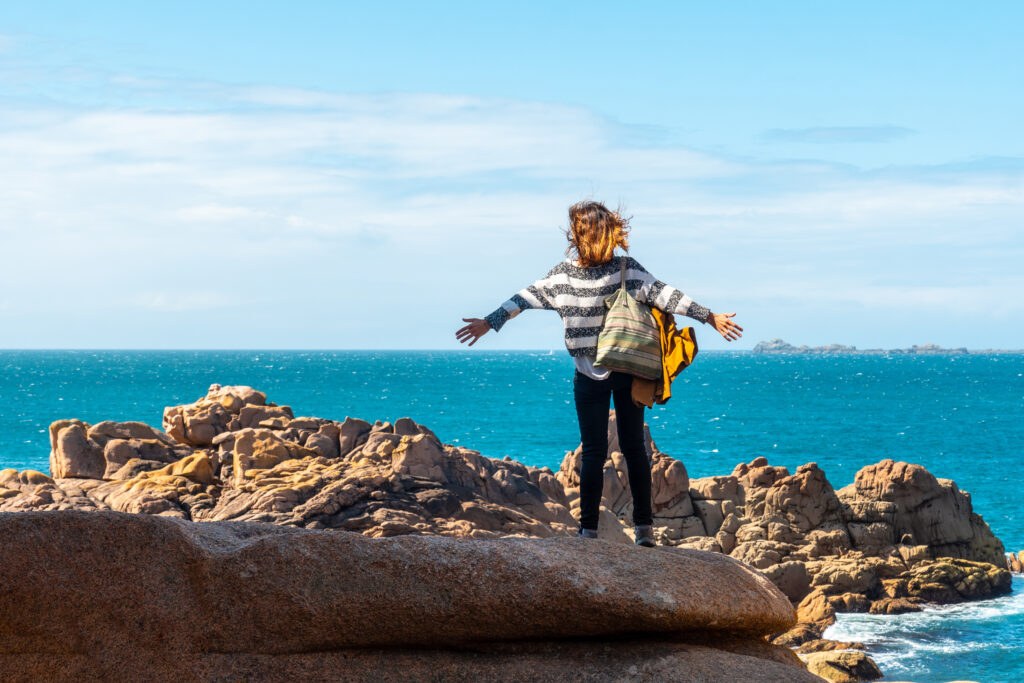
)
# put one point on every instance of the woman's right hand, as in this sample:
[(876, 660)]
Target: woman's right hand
[(476, 328), (727, 328)]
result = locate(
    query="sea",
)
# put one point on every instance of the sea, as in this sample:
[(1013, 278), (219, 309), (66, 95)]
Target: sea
[(960, 416)]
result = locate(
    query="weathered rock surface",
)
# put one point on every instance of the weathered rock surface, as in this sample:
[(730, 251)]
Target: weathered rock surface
[(931, 511), (842, 666), (1015, 562), (98, 451), (893, 540), (94, 593)]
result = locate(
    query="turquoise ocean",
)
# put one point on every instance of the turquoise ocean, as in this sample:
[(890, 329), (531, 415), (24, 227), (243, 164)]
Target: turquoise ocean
[(961, 416)]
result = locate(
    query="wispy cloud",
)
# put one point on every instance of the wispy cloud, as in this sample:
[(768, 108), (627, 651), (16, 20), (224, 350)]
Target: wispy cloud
[(252, 195), (838, 134), (180, 301)]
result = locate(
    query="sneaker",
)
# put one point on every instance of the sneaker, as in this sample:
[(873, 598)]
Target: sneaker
[(645, 536), (587, 533)]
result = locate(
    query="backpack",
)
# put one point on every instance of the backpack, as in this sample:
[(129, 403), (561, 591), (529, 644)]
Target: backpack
[(630, 338)]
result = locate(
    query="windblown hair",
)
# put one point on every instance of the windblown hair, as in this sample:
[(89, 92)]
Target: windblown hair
[(594, 232)]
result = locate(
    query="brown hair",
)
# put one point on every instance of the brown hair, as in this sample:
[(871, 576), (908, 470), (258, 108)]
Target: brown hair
[(594, 232)]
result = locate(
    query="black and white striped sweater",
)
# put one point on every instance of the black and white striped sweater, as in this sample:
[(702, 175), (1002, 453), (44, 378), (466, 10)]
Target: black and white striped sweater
[(578, 295)]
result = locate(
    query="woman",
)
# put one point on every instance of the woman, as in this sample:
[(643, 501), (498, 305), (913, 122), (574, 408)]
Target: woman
[(577, 288)]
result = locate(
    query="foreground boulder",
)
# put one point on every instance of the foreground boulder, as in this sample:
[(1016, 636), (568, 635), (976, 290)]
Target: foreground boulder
[(100, 594), (892, 541)]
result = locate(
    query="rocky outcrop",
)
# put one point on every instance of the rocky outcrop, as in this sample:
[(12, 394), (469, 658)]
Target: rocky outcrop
[(100, 451), (234, 456), (96, 595), (893, 540), (842, 666), (924, 511), (1015, 562)]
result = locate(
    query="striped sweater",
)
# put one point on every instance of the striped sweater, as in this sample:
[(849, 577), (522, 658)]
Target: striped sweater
[(578, 295)]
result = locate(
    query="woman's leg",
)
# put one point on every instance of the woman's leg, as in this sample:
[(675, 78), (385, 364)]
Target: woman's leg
[(592, 399), (629, 419)]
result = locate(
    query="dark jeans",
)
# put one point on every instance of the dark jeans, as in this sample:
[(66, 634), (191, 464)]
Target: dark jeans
[(592, 398)]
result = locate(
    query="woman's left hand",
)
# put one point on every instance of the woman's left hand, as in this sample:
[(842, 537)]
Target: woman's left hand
[(476, 328), (727, 328)]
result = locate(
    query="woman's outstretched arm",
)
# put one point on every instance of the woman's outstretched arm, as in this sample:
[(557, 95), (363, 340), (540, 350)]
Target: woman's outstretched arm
[(664, 297), (533, 296)]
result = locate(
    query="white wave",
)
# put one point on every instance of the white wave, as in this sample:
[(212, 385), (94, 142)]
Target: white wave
[(922, 642)]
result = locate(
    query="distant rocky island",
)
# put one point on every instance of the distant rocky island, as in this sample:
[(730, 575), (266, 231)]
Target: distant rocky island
[(779, 346)]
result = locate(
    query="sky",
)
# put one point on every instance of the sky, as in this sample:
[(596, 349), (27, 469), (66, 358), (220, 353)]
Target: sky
[(328, 175)]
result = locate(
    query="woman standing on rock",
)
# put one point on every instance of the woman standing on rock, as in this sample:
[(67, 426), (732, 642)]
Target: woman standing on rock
[(577, 288)]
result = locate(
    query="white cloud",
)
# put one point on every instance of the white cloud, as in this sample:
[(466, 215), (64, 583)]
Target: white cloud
[(273, 192), (214, 213), (180, 301)]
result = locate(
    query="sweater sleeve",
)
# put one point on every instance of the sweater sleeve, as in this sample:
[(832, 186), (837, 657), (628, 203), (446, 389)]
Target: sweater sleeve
[(533, 296), (664, 297)]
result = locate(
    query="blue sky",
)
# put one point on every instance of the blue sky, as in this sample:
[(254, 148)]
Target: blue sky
[(329, 175)]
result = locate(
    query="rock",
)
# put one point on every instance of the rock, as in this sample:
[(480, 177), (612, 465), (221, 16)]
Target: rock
[(805, 499), (73, 454), (101, 450), (1015, 563), (703, 543), (798, 635), (825, 645), (842, 666), (895, 606), (716, 488), (710, 514), (223, 409), (751, 532), (933, 511), (351, 434), (791, 578), (212, 594), (259, 449), (849, 602), (758, 474), (761, 554), (234, 456), (179, 489), (394, 484), (133, 468), (846, 575), (815, 608), (31, 490), (950, 580), (827, 542), (914, 554)]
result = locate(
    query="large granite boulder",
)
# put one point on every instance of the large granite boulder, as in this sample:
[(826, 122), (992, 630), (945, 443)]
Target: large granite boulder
[(78, 449), (101, 594), (930, 511)]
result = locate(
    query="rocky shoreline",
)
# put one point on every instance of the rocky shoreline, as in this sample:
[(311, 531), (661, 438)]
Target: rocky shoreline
[(894, 540)]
